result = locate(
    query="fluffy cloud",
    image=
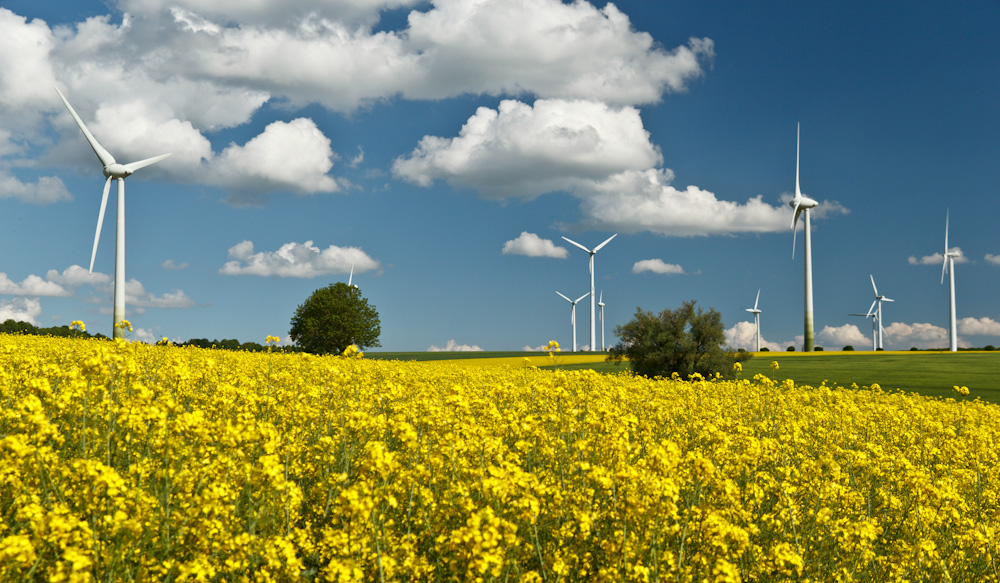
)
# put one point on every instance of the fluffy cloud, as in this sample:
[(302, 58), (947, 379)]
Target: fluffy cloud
[(136, 296), (657, 266), (170, 265), (21, 309), (75, 276), (992, 259), (453, 346), (303, 260), (31, 286), (292, 156), (744, 335), (937, 258), (524, 151), (979, 327), (46, 190), (902, 336), (532, 245), (836, 337)]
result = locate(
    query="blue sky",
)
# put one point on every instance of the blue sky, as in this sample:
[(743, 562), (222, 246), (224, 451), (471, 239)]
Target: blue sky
[(445, 148)]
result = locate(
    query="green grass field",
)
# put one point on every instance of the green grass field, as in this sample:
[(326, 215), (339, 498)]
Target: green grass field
[(927, 373)]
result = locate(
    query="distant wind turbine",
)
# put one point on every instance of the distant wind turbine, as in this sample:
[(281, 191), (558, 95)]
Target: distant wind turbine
[(876, 309), (572, 314), (600, 304), (948, 265), (802, 204), (756, 318), (875, 326), (113, 171), (592, 252)]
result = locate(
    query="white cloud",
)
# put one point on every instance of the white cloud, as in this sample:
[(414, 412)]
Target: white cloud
[(46, 190), (292, 156), (74, 276), (979, 327), (170, 265), (453, 346), (836, 337), (136, 296), (902, 336), (992, 259), (532, 245), (657, 266), (744, 335), (32, 285), (303, 260), (524, 151), (937, 258), (21, 309)]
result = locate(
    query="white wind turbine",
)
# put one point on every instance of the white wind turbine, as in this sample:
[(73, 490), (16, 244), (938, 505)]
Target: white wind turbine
[(875, 325), (876, 310), (572, 314), (948, 265), (600, 304), (592, 252), (802, 204), (756, 318), (113, 171)]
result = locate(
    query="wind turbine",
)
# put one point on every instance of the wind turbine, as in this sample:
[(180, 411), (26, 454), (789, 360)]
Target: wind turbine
[(802, 204), (948, 265), (875, 325), (600, 304), (572, 314), (756, 318), (876, 309), (593, 331), (113, 171)]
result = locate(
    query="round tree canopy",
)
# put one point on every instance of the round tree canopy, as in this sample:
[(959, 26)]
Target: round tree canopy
[(334, 318)]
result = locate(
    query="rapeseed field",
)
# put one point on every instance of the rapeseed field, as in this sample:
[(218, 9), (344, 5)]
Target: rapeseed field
[(121, 461)]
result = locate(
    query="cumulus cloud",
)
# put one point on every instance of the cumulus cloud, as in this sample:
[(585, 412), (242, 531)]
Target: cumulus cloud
[(532, 245), (303, 260), (902, 336), (979, 327), (657, 266), (21, 309), (32, 285), (171, 265), (523, 151), (45, 190), (938, 258), (836, 337), (453, 346), (136, 296), (992, 259), (744, 335), (75, 276)]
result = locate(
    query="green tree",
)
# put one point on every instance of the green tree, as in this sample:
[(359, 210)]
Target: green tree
[(333, 318), (685, 341)]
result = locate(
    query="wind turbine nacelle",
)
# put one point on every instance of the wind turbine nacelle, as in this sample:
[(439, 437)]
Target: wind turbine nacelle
[(116, 171), (803, 202)]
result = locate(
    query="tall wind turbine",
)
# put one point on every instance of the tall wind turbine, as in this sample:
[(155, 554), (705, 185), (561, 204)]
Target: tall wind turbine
[(600, 304), (112, 171), (593, 331), (875, 325), (572, 314), (876, 310), (948, 265), (756, 318), (802, 204)]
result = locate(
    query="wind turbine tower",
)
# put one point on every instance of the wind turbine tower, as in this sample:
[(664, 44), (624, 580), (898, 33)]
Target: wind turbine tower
[(948, 265), (593, 329), (876, 309), (756, 318), (801, 205), (572, 314), (112, 171), (600, 304)]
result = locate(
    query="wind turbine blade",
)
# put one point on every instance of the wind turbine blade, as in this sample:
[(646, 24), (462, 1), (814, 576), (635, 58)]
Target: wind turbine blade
[(565, 298), (351, 278), (757, 300), (944, 267), (872, 307), (888, 300), (103, 155), (795, 220), (133, 166), (571, 241), (946, 219), (100, 221), (581, 297), (873, 283), (798, 137), (598, 248)]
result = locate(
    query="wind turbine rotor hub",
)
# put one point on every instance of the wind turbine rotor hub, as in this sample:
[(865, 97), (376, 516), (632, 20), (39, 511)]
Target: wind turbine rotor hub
[(116, 171)]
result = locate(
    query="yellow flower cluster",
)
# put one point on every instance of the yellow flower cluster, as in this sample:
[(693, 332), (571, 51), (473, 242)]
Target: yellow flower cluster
[(123, 461)]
